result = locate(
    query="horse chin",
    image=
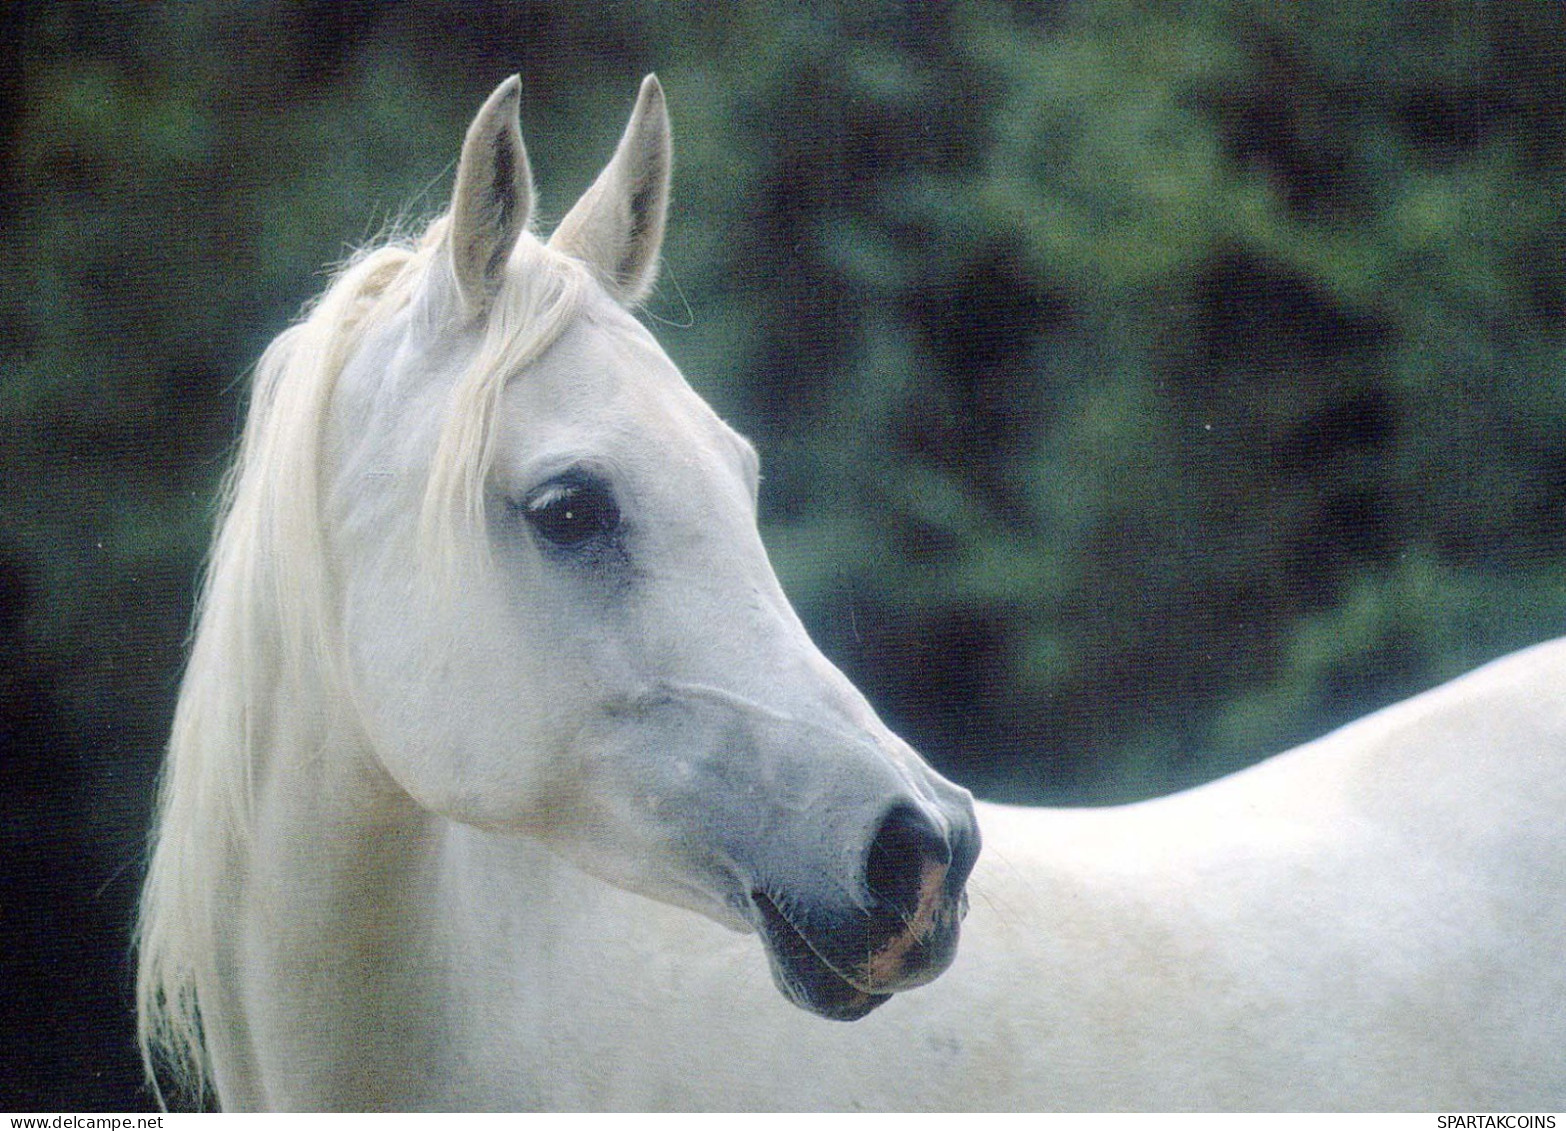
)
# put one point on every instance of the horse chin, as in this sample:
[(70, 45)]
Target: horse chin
[(803, 976)]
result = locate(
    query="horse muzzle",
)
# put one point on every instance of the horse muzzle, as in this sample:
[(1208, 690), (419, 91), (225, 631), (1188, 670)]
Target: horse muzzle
[(841, 963)]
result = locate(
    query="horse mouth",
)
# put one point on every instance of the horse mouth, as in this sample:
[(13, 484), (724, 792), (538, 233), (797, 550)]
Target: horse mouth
[(804, 977)]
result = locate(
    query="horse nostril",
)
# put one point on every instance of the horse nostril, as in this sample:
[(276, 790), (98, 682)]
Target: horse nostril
[(895, 869)]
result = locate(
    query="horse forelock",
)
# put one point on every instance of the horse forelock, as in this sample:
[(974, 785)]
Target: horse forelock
[(265, 613), (540, 296)]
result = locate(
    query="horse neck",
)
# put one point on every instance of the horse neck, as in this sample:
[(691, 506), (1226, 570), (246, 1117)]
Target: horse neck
[(374, 935)]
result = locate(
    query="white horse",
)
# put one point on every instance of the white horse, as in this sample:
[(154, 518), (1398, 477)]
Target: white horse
[(488, 623)]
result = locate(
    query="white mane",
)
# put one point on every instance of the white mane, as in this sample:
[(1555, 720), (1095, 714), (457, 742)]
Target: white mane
[(266, 619)]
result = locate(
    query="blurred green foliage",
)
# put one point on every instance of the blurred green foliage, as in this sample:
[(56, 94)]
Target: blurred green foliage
[(1143, 387), (1150, 387)]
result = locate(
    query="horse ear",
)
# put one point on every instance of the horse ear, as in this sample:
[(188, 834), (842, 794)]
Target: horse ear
[(617, 226), (492, 201)]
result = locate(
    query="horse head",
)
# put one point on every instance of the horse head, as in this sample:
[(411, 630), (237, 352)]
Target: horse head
[(559, 617)]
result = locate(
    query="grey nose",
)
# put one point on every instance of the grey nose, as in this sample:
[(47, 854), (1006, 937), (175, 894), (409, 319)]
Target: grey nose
[(910, 850)]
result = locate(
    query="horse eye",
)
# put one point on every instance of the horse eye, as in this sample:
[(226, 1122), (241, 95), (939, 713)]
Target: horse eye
[(572, 510)]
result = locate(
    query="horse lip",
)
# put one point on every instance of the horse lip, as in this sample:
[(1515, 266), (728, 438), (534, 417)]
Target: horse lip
[(802, 974)]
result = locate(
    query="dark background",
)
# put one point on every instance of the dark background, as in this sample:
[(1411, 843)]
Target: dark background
[(1142, 388)]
